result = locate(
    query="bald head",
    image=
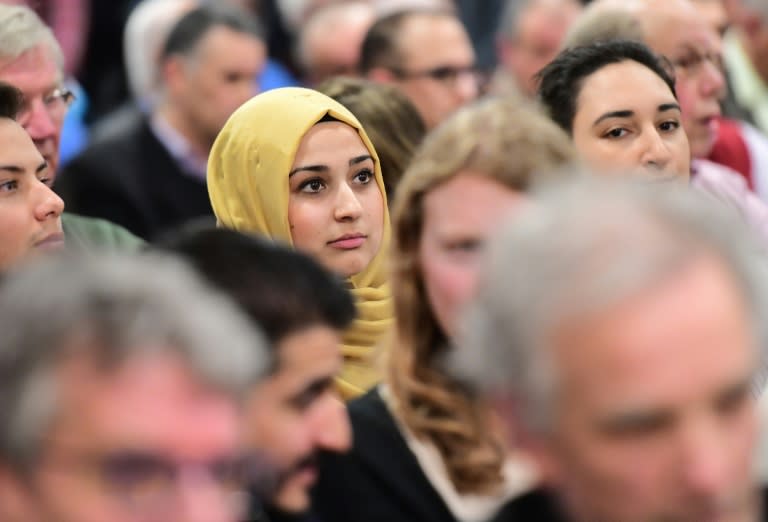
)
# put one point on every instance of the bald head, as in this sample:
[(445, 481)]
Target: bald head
[(322, 57)]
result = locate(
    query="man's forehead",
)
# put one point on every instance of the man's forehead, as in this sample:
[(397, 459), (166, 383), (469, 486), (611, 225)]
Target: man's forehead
[(34, 69)]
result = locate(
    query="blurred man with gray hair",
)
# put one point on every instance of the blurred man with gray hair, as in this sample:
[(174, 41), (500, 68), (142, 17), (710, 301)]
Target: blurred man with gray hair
[(123, 387), (620, 331)]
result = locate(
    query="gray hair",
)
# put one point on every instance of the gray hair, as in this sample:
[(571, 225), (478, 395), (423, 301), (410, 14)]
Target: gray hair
[(110, 309), (22, 30), (600, 22), (582, 247)]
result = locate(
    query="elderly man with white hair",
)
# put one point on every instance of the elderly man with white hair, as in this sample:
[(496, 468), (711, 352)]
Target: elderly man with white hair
[(620, 331)]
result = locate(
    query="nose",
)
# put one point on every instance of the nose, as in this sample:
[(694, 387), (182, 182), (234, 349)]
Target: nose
[(201, 499), (712, 80), (332, 429), (38, 122), (705, 462), (47, 204), (348, 207), (656, 154), (467, 86)]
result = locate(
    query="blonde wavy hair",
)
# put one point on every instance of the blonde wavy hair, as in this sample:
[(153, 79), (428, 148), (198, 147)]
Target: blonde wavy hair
[(506, 141)]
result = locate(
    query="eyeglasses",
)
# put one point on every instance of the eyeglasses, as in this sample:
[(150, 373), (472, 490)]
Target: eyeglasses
[(55, 103), (692, 62), (445, 74)]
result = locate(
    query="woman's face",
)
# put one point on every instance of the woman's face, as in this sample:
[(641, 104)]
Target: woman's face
[(628, 119), (460, 215), (335, 207), (30, 212)]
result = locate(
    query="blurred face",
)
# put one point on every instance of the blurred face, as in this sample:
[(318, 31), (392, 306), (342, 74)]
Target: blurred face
[(627, 119), (540, 31), (295, 414), (460, 216), (144, 443), (30, 212), (438, 66), (335, 207), (656, 421), (219, 78), (36, 74), (338, 56), (694, 49)]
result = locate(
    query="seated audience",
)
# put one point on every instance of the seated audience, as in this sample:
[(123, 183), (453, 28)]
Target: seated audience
[(311, 178), (123, 386), (618, 330), (427, 54), (391, 121), (31, 60), (618, 103), (151, 176), (669, 28), (321, 56), (423, 448), (294, 414), (30, 211)]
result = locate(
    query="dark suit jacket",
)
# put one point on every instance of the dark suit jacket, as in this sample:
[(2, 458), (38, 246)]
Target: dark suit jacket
[(379, 480), (130, 179)]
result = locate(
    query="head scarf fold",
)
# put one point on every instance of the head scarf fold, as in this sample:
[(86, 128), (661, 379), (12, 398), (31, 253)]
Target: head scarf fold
[(248, 185)]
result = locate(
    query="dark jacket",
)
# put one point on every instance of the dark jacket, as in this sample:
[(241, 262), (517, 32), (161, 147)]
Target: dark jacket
[(132, 180), (379, 480)]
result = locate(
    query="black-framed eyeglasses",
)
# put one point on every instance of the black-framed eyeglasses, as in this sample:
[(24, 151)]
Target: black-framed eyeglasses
[(446, 74)]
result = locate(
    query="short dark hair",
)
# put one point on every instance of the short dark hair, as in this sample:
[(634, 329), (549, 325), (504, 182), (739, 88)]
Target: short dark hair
[(11, 101), (561, 80), (381, 45), (282, 290), (194, 25)]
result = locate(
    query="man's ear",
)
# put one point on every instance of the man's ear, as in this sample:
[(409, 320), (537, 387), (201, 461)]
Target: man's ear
[(15, 497), (173, 74), (381, 75)]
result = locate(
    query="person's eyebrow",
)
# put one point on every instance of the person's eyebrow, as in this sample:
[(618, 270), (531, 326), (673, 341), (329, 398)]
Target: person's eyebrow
[(669, 107), (310, 168), (16, 169), (324, 168), (614, 114), (360, 159)]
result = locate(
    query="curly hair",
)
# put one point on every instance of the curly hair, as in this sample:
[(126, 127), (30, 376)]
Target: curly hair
[(508, 142)]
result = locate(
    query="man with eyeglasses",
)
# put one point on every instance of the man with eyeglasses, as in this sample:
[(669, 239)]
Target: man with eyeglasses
[(428, 55), (31, 60), (124, 381)]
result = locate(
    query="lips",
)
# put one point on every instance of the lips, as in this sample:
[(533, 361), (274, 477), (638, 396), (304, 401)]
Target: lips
[(348, 241), (53, 241)]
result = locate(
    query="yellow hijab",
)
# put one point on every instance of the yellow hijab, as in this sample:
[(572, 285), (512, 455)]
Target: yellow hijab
[(248, 186)]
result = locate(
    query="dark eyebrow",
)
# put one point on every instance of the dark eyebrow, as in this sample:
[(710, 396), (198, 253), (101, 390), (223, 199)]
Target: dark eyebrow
[(613, 114), (323, 168), (669, 107), (310, 168), (15, 169), (360, 159)]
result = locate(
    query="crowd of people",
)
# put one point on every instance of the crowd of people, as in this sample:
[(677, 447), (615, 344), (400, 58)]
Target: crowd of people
[(343, 261)]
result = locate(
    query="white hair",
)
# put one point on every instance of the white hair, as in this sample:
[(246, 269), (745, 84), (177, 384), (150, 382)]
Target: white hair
[(22, 30), (581, 248), (146, 30)]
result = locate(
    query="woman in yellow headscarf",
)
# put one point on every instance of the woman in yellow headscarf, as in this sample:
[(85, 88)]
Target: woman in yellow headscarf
[(296, 166)]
